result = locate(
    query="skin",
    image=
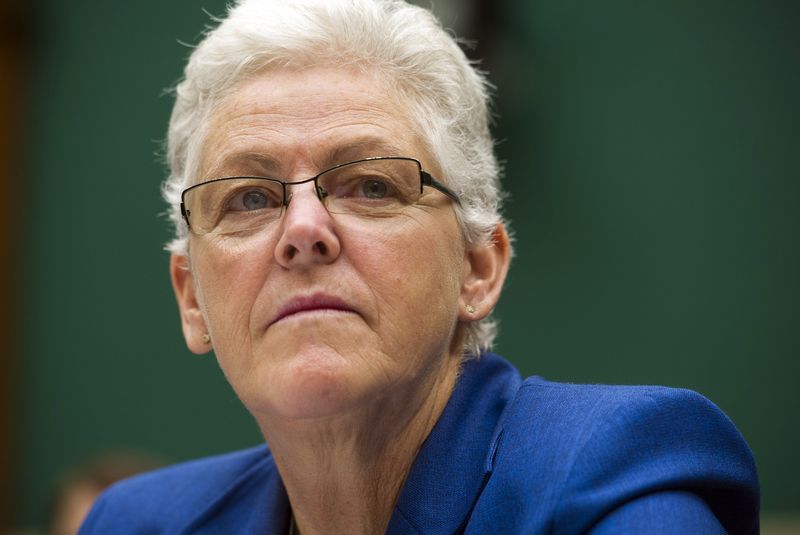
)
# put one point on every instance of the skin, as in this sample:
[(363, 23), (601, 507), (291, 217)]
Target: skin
[(344, 398), (73, 507)]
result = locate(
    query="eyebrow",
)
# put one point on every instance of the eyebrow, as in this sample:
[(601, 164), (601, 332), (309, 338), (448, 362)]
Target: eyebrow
[(267, 164), (365, 147), (356, 149)]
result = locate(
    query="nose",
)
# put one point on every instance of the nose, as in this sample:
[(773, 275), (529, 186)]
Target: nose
[(307, 235)]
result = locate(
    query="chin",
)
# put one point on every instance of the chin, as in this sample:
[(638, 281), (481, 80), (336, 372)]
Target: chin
[(313, 384)]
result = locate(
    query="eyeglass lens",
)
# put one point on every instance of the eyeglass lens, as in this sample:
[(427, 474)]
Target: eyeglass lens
[(377, 187)]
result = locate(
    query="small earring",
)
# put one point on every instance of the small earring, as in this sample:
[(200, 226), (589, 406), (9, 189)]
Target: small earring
[(206, 338), (470, 309)]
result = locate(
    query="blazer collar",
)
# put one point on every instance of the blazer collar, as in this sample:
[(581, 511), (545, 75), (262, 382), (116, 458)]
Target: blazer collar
[(455, 461), (445, 480)]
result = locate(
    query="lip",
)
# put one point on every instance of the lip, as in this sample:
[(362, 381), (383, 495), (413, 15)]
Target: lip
[(309, 303)]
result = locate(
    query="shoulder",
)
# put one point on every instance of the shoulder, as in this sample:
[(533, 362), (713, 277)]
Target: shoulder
[(590, 411), (589, 449), (170, 499)]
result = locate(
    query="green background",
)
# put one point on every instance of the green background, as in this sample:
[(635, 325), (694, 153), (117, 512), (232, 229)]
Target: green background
[(652, 153)]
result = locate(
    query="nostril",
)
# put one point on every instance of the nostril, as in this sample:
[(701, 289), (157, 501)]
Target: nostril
[(291, 250), (321, 247)]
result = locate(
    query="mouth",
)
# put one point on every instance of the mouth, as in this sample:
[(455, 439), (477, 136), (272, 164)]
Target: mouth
[(318, 302)]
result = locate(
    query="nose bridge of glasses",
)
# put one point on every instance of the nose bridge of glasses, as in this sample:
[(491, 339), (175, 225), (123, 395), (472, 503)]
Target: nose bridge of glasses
[(290, 186)]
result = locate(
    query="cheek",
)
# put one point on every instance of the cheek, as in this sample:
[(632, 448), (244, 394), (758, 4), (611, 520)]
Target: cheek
[(414, 273), (230, 278)]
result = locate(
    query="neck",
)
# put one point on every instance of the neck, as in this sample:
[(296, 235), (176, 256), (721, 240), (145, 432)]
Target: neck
[(344, 474)]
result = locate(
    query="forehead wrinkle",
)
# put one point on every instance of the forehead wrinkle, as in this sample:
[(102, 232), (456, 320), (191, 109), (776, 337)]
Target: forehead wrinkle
[(238, 141), (262, 154), (263, 144), (321, 105), (306, 123)]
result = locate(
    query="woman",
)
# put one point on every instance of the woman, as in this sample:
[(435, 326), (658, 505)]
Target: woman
[(339, 247)]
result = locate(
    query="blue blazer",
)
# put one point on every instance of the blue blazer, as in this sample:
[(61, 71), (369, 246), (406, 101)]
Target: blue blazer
[(506, 456)]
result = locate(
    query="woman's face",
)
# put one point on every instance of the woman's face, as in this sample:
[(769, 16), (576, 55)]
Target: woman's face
[(319, 313)]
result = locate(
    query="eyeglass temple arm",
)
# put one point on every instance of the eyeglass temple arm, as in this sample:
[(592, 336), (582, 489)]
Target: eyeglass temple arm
[(185, 213), (428, 180)]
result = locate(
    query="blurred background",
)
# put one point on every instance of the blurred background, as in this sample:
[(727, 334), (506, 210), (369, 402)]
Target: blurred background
[(652, 153)]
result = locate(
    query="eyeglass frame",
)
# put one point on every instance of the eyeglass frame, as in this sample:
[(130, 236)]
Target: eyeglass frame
[(425, 179)]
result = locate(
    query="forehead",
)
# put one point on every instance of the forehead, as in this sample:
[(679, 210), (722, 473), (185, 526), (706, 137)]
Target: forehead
[(282, 120)]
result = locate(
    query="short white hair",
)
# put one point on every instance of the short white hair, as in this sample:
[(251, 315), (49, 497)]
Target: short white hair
[(447, 95)]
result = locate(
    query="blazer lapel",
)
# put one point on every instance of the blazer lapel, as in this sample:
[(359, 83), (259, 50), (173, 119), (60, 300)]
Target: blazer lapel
[(454, 462)]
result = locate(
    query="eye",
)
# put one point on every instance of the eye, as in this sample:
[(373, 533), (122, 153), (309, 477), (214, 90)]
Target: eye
[(374, 189), (369, 185), (252, 199)]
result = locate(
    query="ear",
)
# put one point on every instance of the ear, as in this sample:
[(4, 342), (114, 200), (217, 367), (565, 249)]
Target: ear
[(485, 268), (192, 321)]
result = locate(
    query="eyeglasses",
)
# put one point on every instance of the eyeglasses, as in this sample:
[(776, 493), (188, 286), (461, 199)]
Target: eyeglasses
[(373, 188)]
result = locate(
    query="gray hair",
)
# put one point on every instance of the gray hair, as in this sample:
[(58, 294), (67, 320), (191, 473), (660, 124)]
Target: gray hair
[(447, 95)]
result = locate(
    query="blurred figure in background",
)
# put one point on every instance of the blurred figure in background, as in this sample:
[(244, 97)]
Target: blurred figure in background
[(78, 488)]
